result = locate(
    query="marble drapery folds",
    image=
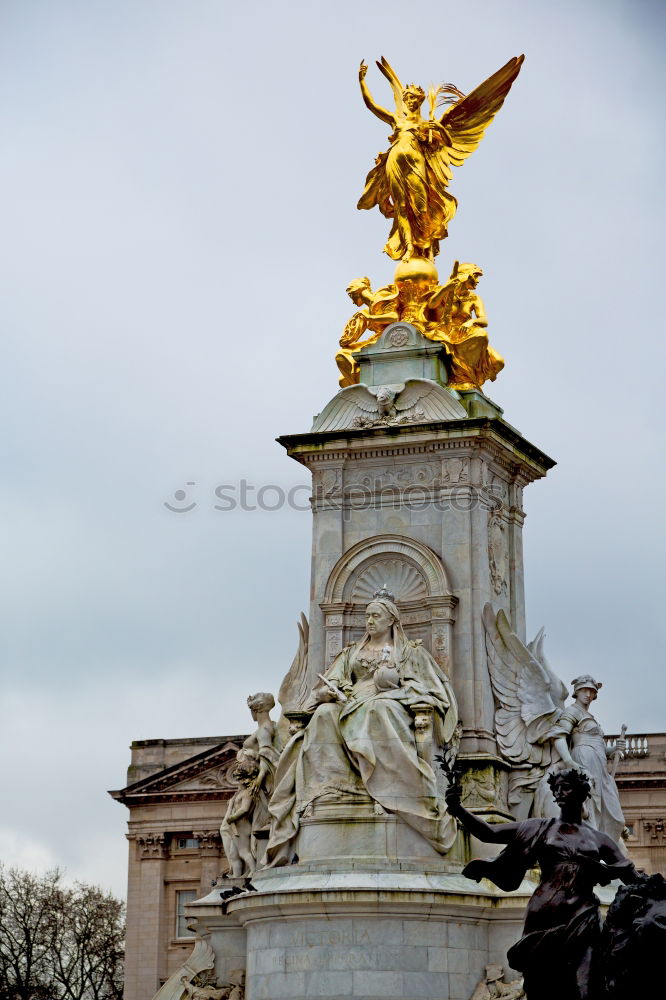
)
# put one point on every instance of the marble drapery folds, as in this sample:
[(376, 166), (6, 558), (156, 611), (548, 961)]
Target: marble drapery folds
[(588, 750), (366, 745)]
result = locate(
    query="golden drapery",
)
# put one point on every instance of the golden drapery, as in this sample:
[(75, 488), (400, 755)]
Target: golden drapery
[(413, 175)]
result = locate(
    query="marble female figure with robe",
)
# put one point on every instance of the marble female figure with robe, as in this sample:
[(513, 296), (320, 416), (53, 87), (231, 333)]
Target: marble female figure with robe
[(366, 743), (539, 734), (579, 741)]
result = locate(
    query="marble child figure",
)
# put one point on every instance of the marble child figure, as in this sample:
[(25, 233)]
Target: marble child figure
[(360, 738), (559, 952), (244, 830), (236, 828)]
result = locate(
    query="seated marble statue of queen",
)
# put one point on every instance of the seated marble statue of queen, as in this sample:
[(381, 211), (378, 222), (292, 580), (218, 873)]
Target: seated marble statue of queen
[(361, 736)]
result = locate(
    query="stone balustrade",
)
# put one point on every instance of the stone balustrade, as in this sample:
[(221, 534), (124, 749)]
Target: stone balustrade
[(637, 746)]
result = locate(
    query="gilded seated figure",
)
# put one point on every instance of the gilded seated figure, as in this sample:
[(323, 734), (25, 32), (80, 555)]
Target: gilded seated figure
[(452, 314), (361, 736), (456, 315), (378, 309)]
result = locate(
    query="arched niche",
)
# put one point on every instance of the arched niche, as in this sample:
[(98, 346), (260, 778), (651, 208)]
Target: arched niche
[(408, 569)]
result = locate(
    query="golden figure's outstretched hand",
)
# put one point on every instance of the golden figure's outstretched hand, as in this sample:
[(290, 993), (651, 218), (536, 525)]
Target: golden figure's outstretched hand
[(362, 70), (409, 182)]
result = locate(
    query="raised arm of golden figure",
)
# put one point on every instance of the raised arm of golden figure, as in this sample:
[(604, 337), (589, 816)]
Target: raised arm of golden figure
[(376, 109)]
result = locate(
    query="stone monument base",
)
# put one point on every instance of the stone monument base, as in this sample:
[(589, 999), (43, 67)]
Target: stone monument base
[(339, 830), (359, 933)]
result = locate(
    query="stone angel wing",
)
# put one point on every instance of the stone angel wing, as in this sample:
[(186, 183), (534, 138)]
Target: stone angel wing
[(387, 70), (295, 688), (202, 958), (530, 695), (467, 120)]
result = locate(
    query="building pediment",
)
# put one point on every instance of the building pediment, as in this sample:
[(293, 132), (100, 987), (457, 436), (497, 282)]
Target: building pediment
[(203, 776)]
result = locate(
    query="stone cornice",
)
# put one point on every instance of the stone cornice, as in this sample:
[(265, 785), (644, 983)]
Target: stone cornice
[(163, 786), (637, 780), (445, 435)]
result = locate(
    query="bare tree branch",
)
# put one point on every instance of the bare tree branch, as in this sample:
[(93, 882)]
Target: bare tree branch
[(58, 942)]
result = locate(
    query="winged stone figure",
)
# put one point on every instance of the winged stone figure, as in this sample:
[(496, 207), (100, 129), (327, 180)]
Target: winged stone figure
[(201, 960), (530, 700), (413, 401), (295, 687), (409, 181)]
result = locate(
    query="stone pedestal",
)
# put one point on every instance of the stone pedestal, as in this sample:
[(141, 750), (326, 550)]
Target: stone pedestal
[(434, 512), (369, 935), (335, 832), (224, 933)]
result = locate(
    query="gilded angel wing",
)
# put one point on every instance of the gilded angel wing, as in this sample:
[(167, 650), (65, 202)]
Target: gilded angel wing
[(387, 70), (467, 120), (530, 696)]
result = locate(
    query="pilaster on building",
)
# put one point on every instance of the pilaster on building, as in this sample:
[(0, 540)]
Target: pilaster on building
[(176, 796), (177, 799)]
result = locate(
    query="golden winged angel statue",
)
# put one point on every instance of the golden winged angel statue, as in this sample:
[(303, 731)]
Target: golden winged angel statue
[(409, 182)]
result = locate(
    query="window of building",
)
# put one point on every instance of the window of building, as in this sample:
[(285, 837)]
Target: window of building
[(185, 843), (183, 896)]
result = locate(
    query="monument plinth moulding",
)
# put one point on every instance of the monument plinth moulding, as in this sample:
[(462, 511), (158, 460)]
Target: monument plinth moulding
[(413, 679)]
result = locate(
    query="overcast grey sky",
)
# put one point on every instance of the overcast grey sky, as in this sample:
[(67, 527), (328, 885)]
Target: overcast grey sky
[(180, 181)]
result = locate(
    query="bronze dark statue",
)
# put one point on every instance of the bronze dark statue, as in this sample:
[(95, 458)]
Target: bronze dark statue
[(559, 953), (635, 940)]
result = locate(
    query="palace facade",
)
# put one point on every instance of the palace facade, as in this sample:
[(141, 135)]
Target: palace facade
[(176, 794)]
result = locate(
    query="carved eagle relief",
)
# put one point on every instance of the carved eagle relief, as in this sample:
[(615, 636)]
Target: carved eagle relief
[(413, 401)]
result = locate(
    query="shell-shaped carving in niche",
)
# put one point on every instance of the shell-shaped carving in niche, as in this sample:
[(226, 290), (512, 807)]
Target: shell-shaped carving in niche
[(400, 578)]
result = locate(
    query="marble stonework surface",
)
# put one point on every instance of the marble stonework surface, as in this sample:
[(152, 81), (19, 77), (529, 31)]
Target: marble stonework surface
[(361, 933), (441, 502), (373, 914), (430, 510)]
